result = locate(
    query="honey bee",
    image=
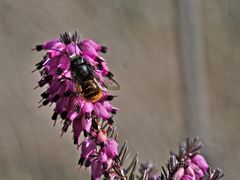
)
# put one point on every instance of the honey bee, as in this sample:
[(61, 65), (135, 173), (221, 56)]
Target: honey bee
[(86, 81), (83, 73)]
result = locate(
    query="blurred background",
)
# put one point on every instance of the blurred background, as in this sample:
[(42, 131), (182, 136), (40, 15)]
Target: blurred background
[(177, 63)]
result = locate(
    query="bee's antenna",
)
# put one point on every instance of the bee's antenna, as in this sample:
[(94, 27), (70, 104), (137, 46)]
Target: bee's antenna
[(76, 38), (60, 52), (75, 42)]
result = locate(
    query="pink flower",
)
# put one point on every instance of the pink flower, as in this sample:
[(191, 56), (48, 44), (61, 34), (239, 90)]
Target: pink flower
[(97, 47), (189, 171), (200, 161), (88, 147), (179, 174), (196, 168), (111, 148), (97, 169), (187, 177)]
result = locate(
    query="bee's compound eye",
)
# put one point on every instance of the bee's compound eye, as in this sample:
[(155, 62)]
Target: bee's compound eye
[(81, 60)]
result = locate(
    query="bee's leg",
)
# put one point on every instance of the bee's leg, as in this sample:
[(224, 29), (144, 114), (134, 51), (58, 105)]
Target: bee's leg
[(67, 78)]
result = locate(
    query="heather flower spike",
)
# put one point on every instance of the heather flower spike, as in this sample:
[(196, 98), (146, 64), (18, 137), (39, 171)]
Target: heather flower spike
[(189, 164), (78, 81)]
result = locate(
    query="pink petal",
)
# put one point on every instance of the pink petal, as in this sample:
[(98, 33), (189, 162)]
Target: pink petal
[(196, 169), (88, 147), (89, 42), (97, 170), (50, 44), (179, 174), (102, 157), (107, 105), (101, 111), (189, 171), (89, 51), (187, 177), (200, 161), (86, 124), (72, 49), (59, 50), (87, 107), (111, 148)]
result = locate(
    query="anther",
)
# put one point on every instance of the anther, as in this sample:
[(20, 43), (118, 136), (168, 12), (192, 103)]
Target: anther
[(99, 66), (42, 82), (104, 49), (49, 77), (75, 93), (81, 161), (66, 125), (39, 47), (45, 102), (56, 98), (109, 74), (75, 140), (99, 60), (64, 114), (110, 120), (59, 71), (54, 116), (87, 163), (67, 93), (85, 133), (105, 166), (45, 95), (110, 97), (114, 111)]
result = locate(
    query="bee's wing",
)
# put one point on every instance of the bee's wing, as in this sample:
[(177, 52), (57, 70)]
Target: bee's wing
[(111, 84), (102, 87), (108, 84)]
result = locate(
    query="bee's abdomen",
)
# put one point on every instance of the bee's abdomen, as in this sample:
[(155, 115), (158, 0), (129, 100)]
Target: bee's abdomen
[(90, 91)]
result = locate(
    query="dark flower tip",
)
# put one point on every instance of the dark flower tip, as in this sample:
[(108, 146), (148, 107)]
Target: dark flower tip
[(75, 140), (45, 95), (56, 98), (45, 102), (104, 49), (110, 120), (54, 116), (81, 161), (49, 77), (39, 47), (64, 114), (110, 97)]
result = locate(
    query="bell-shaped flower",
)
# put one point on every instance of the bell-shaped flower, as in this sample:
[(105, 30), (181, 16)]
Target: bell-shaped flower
[(200, 161), (97, 47), (88, 147), (179, 174)]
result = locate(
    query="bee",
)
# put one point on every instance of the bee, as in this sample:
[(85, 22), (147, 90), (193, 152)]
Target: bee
[(83, 73), (87, 83)]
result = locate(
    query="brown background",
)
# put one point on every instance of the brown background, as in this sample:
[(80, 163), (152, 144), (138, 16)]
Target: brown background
[(176, 80)]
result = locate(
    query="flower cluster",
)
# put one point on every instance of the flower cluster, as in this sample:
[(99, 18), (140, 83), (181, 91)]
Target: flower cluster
[(189, 164), (74, 72), (78, 80)]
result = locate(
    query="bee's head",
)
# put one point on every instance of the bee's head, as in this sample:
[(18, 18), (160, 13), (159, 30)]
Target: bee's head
[(76, 62), (79, 67)]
